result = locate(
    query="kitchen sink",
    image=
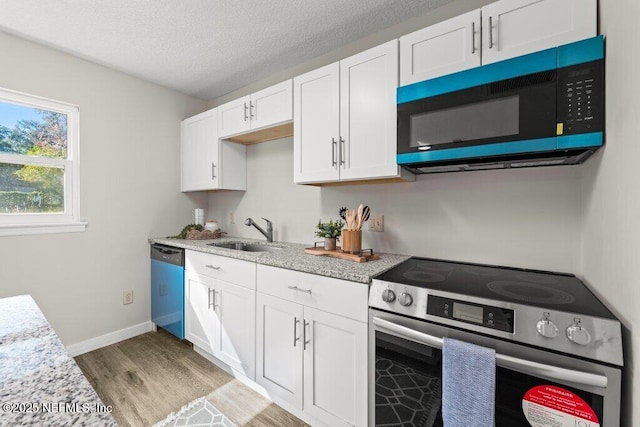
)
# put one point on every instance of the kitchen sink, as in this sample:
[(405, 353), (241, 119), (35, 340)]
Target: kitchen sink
[(246, 247)]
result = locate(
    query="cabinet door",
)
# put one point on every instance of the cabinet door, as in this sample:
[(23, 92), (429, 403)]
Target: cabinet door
[(199, 152), (200, 319), (235, 342), (368, 83), (335, 369), (316, 125), (517, 27), (444, 48), (233, 117), (279, 346), (272, 105)]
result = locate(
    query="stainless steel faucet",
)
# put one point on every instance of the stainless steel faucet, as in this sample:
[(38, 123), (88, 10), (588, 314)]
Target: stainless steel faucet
[(268, 234)]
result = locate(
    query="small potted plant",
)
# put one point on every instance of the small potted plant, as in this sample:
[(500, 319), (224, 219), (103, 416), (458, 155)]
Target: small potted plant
[(330, 231)]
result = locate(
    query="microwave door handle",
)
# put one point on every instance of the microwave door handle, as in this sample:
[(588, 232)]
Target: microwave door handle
[(513, 363)]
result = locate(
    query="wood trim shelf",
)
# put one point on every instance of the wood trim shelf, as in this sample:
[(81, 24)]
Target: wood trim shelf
[(263, 135)]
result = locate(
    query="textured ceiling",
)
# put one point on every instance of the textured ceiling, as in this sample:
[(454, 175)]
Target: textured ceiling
[(204, 48)]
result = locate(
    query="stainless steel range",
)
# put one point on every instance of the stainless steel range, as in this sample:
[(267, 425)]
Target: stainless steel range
[(552, 338)]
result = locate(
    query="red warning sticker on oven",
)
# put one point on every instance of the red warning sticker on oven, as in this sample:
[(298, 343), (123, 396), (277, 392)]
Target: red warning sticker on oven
[(552, 406)]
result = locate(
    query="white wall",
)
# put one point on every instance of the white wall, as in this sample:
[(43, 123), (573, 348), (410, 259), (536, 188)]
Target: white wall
[(610, 259), (130, 190), (525, 218)]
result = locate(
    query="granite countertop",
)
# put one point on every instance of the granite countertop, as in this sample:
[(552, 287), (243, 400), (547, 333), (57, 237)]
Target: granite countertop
[(40, 384), (292, 256)]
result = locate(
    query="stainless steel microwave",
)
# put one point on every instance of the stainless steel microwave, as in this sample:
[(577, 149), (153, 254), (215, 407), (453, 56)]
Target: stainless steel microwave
[(541, 109)]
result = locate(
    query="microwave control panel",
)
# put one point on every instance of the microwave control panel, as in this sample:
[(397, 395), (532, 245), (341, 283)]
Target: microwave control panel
[(581, 98), (477, 314)]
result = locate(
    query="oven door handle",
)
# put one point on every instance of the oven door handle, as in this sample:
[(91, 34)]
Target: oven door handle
[(514, 363)]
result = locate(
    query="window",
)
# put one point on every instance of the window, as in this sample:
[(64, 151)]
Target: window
[(39, 170)]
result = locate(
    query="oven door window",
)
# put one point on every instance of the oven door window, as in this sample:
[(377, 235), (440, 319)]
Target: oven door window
[(408, 388)]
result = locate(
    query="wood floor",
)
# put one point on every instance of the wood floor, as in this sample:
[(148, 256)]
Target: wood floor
[(147, 377)]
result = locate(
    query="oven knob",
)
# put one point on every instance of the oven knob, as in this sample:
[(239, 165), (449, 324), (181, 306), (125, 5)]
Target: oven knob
[(547, 328), (577, 334), (405, 299), (388, 295)]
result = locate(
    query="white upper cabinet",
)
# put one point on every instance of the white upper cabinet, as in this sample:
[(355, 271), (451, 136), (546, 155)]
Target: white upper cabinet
[(345, 119), (316, 125), (444, 48), (501, 30), (368, 126), (206, 162), (199, 155), (517, 27), (269, 107), (233, 117)]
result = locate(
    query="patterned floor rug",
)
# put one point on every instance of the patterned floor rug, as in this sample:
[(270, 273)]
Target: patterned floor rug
[(199, 413)]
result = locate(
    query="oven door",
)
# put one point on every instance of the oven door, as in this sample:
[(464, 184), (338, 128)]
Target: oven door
[(405, 379)]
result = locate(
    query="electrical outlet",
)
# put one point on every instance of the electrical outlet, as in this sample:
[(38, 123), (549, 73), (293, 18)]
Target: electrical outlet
[(376, 223), (232, 218), (127, 297)]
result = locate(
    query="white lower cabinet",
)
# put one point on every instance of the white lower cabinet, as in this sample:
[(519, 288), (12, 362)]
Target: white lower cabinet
[(279, 348), (335, 368), (313, 359), (200, 319), (220, 315)]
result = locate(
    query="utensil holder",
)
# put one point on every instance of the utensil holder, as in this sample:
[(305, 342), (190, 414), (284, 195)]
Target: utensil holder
[(351, 241)]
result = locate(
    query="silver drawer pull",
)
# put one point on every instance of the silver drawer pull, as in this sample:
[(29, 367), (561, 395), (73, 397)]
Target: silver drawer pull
[(297, 289), (212, 267)]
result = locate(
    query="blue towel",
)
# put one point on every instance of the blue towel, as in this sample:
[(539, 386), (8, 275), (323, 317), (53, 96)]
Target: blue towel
[(468, 384)]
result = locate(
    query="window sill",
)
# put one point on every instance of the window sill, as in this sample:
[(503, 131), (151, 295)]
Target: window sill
[(27, 229)]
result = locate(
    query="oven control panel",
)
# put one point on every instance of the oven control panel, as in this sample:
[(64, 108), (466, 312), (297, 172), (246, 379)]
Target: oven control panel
[(496, 318)]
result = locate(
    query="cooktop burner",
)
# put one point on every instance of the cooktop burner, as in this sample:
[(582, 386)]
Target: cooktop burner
[(424, 276), (531, 287), (530, 292)]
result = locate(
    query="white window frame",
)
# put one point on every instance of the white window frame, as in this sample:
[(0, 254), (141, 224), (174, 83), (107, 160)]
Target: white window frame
[(39, 223)]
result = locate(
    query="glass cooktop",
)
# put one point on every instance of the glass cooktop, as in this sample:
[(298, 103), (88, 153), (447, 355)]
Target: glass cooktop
[(554, 291)]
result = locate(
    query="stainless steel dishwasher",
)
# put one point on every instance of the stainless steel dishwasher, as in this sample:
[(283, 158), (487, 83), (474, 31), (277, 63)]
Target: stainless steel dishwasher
[(167, 288)]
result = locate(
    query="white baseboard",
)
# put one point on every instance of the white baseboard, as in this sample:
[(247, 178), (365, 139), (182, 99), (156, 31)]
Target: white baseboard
[(108, 339)]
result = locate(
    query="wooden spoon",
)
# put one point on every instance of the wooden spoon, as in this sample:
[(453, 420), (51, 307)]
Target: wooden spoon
[(350, 215), (359, 217)]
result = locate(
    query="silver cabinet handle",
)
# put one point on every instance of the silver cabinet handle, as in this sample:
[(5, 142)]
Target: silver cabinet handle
[(514, 363), (333, 152), (214, 299), (210, 303), (251, 108), (297, 289), (245, 112), (295, 331), (213, 170), (473, 37), (491, 32), (213, 267), (341, 150), (304, 335)]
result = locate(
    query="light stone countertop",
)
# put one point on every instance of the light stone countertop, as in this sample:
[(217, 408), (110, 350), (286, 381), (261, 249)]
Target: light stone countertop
[(293, 257), (40, 384)]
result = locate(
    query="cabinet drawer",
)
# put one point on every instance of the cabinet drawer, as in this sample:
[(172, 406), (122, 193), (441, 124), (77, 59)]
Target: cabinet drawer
[(348, 299), (231, 270)]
